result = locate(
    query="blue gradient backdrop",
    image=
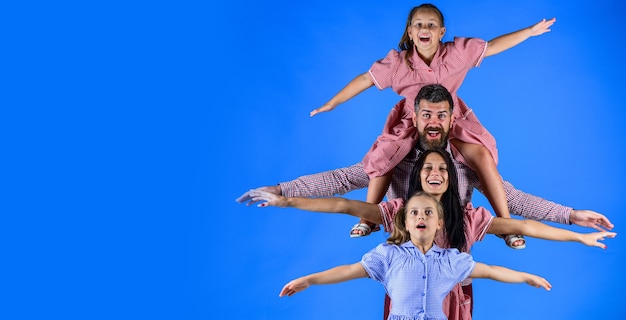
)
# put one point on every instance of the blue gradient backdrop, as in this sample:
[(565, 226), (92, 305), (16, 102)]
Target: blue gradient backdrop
[(129, 128)]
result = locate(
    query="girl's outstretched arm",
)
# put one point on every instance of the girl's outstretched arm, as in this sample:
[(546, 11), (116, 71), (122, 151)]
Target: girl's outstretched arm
[(364, 210), (541, 230), (503, 274), (353, 88), (334, 275), (512, 39)]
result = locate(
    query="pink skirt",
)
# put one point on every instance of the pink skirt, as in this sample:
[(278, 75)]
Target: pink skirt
[(399, 136)]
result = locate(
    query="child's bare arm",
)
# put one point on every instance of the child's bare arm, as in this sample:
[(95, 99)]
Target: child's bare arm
[(503, 274), (353, 88), (512, 39), (333, 275)]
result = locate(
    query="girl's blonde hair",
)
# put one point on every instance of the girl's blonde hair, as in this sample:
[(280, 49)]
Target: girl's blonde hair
[(400, 234)]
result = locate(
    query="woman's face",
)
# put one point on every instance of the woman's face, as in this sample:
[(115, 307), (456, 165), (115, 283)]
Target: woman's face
[(434, 175)]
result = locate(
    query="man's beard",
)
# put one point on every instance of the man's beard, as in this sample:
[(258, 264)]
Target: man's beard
[(430, 144)]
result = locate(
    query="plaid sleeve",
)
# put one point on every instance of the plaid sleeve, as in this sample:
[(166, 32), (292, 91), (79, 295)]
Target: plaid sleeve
[(327, 183), (535, 208), (520, 203)]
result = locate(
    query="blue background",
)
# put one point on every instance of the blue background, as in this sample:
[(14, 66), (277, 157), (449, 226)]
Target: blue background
[(129, 128)]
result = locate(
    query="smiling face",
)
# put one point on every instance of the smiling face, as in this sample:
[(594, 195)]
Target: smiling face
[(426, 30), (423, 218), (434, 175), (433, 121)]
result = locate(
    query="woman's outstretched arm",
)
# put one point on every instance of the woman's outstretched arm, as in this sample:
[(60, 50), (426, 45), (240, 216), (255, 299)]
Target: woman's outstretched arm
[(364, 210), (541, 230)]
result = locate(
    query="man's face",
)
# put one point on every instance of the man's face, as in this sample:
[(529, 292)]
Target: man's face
[(433, 121)]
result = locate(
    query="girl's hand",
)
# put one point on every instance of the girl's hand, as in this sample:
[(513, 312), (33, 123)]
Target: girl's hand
[(325, 108), (538, 282), (542, 27), (294, 286)]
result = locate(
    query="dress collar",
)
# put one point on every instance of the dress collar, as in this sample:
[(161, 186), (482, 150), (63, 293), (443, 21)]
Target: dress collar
[(418, 63), (434, 249)]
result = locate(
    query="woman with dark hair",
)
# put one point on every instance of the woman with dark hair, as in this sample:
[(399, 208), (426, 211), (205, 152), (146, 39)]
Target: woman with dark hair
[(435, 174), (454, 224)]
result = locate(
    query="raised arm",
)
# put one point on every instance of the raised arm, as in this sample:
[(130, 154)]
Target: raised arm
[(543, 231), (512, 39), (364, 210), (503, 274), (353, 88), (334, 275)]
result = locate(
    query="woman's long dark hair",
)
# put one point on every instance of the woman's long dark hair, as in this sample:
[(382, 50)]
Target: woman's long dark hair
[(452, 209)]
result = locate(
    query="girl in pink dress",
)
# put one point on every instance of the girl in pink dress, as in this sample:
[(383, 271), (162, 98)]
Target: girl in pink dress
[(424, 59)]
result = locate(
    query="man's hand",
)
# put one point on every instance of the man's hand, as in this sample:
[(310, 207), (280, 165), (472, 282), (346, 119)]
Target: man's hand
[(267, 198), (247, 197), (590, 219)]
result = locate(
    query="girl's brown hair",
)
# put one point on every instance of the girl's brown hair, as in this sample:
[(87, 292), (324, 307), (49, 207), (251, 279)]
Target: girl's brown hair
[(405, 41)]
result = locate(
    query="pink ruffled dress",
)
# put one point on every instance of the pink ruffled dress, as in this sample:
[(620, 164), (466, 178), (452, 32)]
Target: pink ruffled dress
[(449, 67)]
